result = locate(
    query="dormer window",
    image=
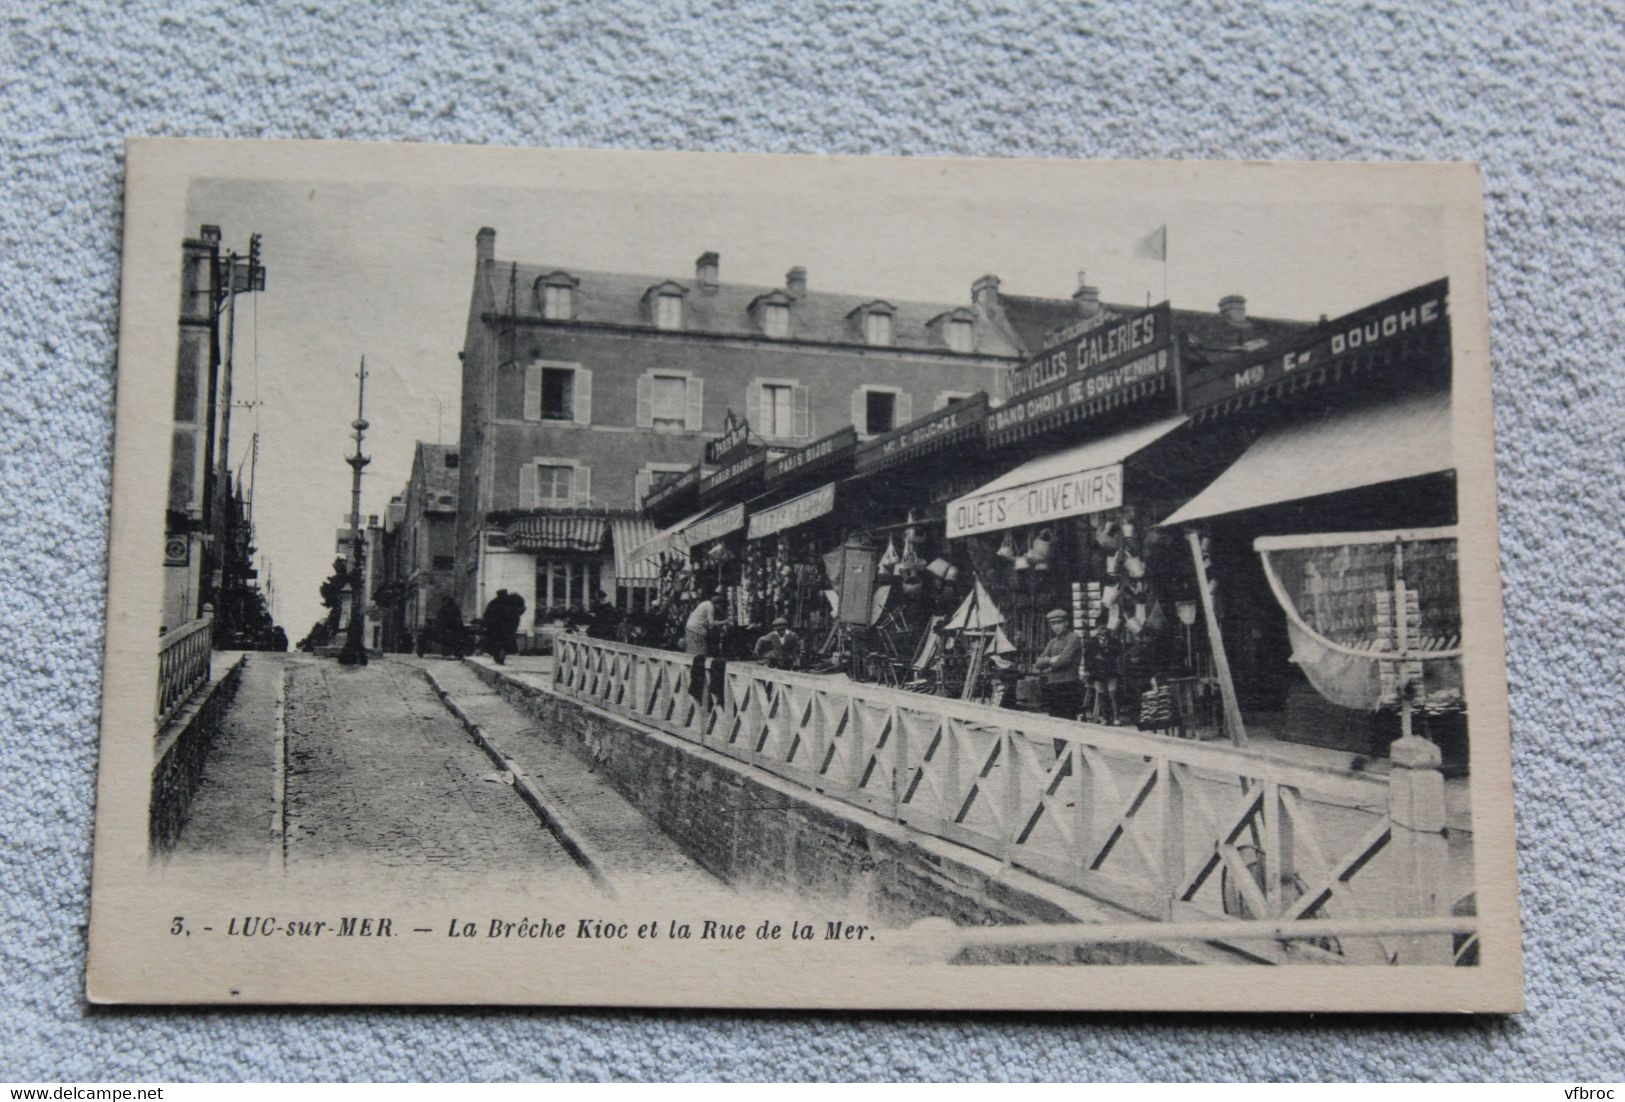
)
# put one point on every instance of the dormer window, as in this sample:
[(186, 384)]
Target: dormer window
[(961, 335), (668, 311), (556, 296), (776, 319), (877, 329)]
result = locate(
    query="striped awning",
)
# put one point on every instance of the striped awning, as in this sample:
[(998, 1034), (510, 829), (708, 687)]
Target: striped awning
[(557, 533), (628, 535)]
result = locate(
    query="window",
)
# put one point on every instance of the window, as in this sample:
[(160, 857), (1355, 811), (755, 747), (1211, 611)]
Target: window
[(451, 461), (653, 476), (554, 485), (668, 312), (558, 302), (659, 477), (880, 411), (951, 397), (877, 328), (776, 319), (673, 401), (558, 394), (442, 562), (777, 410), (670, 401), (961, 335)]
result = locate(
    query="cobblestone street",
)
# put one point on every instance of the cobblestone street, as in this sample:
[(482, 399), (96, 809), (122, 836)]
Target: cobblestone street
[(377, 774)]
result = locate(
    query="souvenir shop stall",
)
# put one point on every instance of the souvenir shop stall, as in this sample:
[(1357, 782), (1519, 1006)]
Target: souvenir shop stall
[(1094, 451), (792, 526), (1327, 548)]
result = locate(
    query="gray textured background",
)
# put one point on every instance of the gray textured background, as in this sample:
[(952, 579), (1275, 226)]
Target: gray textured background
[(1535, 95)]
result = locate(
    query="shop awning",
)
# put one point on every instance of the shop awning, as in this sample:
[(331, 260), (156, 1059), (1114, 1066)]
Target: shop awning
[(1086, 478), (627, 535), (666, 540), (557, 533), (708, 524), (798, 510), (1344, 450)]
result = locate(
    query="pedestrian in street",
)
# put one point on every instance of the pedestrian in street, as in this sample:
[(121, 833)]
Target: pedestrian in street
[(1059, 689), (781, 647), (498, 625)]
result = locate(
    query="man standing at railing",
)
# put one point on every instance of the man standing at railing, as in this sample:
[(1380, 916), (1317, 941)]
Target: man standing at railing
[(1058, 666), (700, 633)]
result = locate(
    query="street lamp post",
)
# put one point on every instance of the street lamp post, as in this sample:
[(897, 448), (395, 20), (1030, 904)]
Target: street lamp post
[(355, 645)]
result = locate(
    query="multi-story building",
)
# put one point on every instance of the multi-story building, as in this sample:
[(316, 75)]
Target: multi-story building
[(196, 363), (585, 390), (423, 537)]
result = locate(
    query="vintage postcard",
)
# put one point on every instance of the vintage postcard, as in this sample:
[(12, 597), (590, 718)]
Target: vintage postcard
[(569, 577)]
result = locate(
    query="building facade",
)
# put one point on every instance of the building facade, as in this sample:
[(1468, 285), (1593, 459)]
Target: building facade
[(196, 364), (584, 391), (423, 538)]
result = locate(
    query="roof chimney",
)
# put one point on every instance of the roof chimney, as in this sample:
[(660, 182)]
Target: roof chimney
[(1233, 308), (985, 293), (705, 270), (795, 281), (485, 244), (1087, 297)]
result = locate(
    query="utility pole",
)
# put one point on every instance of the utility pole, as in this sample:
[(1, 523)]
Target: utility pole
[(355, 646)]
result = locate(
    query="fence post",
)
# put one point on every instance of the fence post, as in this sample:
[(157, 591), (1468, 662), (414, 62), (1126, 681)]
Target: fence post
[(1420, 850)]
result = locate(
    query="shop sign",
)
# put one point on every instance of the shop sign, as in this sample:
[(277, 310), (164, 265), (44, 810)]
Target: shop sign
[(735, 435), (819, 451), (1384, 325), (1069, 495), (1068, 398), (714, 527), (1096, 350), (922, 431), (735, 469), (793, 512), (673, 489)]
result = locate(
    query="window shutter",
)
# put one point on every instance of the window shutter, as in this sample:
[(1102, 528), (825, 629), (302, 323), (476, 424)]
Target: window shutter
[(905, 409), (799, 420), (696, 404), (583, 396), (646, 409), (533, 393), (753, 406), (640, 488), (859, 410), (527, 486), (583, 487)]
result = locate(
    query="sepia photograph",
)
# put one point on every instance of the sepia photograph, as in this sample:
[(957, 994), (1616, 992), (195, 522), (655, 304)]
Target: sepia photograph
[(567, 577)]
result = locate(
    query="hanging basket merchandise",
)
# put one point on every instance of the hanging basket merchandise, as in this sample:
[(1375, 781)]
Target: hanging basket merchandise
[(1374, 617)]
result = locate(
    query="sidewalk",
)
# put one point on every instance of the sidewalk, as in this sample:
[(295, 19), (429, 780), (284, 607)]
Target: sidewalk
[(615, 836)]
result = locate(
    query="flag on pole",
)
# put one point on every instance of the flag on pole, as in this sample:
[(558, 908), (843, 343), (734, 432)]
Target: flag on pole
[(1154, 245)]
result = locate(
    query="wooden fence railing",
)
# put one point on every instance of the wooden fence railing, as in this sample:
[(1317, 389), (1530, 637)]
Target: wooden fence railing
[(183, 665), (1165, 828)]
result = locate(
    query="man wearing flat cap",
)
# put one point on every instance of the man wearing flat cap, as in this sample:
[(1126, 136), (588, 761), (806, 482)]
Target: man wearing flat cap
[(1060, 692), (781, 647)]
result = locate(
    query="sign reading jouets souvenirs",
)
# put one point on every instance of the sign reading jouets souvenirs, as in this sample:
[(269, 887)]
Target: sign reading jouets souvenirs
[(1095, 350), (735, 435), (1409, 333), (831, 449), (714, 526), (1068, 495)]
